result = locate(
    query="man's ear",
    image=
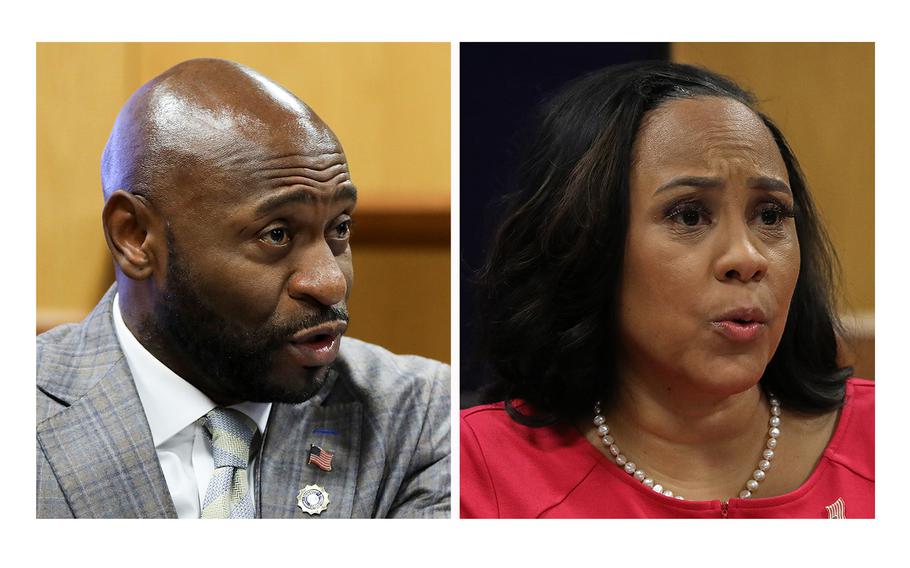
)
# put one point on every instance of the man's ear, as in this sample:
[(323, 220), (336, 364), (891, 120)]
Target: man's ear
[(134, 234)]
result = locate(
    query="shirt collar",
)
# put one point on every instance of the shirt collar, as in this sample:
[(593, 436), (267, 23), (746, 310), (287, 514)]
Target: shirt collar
[(170, 403)]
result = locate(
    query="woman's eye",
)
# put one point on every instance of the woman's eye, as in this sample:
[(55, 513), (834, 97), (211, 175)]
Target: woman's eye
[(277, 236), (689, 215), (773, 214), (771, 217)]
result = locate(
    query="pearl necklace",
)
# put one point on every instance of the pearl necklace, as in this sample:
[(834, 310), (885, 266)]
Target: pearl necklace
[(629, 467)]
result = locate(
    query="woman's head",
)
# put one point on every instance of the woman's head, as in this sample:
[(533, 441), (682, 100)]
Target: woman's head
[(661, 229), (711, 255)]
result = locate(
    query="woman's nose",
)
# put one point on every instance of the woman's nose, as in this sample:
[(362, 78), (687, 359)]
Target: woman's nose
[(740, 256), (319, 277)]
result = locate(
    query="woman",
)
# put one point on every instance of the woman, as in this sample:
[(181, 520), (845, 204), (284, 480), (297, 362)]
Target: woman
[(660, 273)]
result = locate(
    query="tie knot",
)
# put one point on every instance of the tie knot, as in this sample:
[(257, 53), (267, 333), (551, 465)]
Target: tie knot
[(232, 433)]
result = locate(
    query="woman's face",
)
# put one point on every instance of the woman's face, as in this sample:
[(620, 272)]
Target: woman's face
[(712, 255)]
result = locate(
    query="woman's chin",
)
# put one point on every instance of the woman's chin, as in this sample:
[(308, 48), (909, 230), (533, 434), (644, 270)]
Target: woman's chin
[(729, 378)]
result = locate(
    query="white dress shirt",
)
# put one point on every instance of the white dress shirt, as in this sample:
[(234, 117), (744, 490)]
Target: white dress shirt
[(172, 407)]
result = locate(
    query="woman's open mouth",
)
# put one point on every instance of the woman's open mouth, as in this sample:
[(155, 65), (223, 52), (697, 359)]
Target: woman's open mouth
[(741, 324)]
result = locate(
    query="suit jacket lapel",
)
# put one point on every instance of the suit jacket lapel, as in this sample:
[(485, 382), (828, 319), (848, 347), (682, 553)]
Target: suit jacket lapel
[(333, 423), (100, 447)]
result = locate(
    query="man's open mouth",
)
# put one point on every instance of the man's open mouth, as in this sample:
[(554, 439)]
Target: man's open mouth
[(318, 346)]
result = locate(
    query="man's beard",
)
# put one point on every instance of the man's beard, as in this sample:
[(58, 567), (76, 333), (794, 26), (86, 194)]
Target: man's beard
[(236, 361)]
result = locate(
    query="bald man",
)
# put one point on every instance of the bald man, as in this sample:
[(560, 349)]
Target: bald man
[(213, 378)]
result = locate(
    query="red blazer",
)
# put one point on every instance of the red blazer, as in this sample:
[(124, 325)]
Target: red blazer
[(514, 471)]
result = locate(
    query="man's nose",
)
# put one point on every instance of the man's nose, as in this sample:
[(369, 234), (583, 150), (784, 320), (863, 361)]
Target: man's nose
[(741, 256), (318, 277)]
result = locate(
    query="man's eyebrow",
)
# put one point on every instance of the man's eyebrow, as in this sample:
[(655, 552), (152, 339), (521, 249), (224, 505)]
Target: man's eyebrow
[(346, 192), (759, 182)]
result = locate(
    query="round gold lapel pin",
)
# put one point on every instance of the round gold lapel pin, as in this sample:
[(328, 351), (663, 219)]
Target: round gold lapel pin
[(313, 499)]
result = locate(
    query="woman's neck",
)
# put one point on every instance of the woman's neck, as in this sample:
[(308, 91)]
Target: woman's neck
[(683, 417), (700, 445)]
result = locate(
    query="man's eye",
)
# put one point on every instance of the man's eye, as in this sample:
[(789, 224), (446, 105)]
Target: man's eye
[(277, 237), (343, 229)]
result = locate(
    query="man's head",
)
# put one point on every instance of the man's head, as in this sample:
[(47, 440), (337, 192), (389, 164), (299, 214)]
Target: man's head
[(228, 213)]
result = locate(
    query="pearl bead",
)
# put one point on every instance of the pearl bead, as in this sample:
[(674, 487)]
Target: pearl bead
[(598, 420), (648, 482), (614, 449), (639, 475), (764, 465), (603, 430), (775, 411), (774, 421), (772, 443), (668, 493), (758, 475), (745, 494), (767, 454), (629, 467), (774, 432), (774, 401), (751, 485), (608, 440), (659, 488), (621, 460)]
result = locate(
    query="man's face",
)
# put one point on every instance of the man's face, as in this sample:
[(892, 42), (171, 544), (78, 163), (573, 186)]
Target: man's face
[(259, 266)]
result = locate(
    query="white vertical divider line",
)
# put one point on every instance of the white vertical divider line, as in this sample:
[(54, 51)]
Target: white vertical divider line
[(455, 274)]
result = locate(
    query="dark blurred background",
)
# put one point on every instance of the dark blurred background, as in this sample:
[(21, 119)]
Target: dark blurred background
[(501, 84)]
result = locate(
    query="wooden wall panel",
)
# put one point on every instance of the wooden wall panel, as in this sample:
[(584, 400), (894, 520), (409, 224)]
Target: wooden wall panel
[(79, 91), (401, 298)]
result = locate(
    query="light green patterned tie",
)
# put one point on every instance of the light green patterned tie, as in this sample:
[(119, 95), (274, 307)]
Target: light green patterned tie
[(228, 495)]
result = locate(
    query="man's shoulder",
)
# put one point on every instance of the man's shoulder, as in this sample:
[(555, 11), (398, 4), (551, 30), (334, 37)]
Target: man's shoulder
[(368, 356), (72, 357), (378, 373), (64, 341)]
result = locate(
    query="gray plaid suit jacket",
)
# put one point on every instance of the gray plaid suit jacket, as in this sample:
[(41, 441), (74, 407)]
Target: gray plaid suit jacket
[(385, 416)]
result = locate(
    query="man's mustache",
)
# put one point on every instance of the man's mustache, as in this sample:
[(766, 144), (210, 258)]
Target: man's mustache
[(324, 315)]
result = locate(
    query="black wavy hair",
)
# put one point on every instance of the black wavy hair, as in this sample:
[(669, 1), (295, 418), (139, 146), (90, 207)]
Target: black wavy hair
[(547, 293)]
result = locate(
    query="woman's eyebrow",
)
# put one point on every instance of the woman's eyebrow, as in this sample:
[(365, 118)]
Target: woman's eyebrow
[(706, 182), (769, 184), (691, 181)]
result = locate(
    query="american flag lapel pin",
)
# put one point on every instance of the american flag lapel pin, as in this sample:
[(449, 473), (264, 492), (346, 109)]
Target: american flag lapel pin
[(320, 458), (836, 509)]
